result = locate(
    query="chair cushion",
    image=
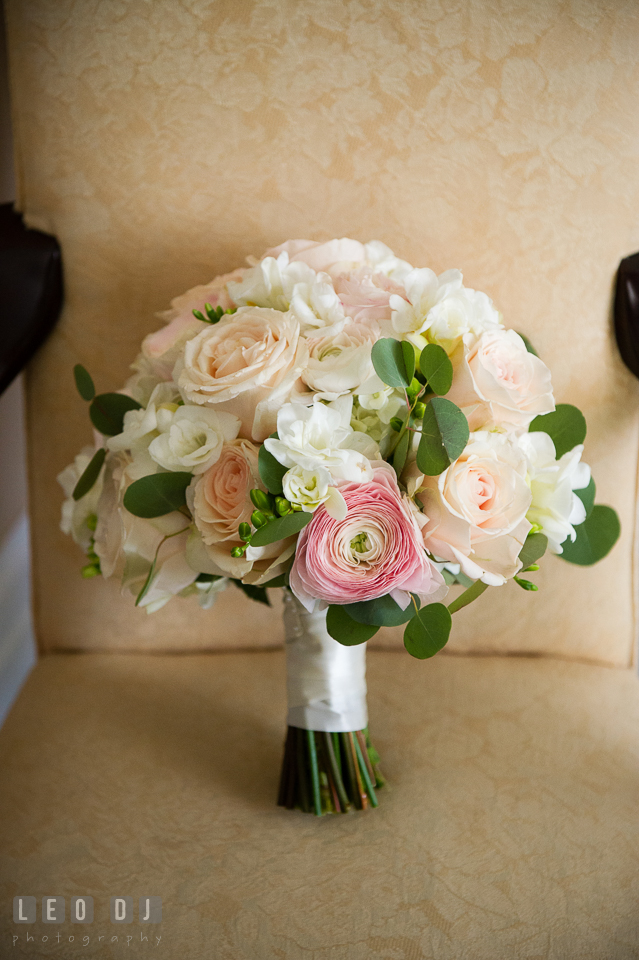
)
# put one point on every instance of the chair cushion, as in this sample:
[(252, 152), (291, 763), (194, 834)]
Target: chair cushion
[(508, 830)]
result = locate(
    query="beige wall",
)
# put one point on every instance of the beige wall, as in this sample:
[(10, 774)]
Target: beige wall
[(164, 142)]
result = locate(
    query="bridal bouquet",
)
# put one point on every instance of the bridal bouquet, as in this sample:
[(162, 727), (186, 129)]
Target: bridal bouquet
[(360, 432)]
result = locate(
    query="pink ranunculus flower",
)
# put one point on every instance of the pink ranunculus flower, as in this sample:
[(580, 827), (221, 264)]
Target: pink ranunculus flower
[(163, 345), (376, 550), (332, 257), (365, 296), (497, 381)]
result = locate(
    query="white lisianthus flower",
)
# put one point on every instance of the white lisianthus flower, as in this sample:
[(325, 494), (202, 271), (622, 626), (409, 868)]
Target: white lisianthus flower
[(191, 438), (341, 363), (424, 289), (271, 282), (383, 260), (317, 306), (555, 508), (321, 436), (309, 489), (140, 428), (75, 513), (464, 313)]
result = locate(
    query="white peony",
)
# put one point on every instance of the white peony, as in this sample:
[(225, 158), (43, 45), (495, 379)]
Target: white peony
[(555, 508), (321, 436), (309, 489), (191, 438)]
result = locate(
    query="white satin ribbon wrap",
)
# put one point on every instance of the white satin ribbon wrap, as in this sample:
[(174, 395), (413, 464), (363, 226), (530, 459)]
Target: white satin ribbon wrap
[(326, 682)]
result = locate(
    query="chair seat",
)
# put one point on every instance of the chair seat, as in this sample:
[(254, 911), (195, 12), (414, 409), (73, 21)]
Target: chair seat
[(509, 828)]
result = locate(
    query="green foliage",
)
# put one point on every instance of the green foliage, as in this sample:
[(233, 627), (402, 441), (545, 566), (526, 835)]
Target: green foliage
[(394, 362), (596, 537), (255, 593), (534, 548), (107, 412), (587, 496), (271, 471), (401, 452), (467, 596), (566, 427), (157, 494), (83, 382), (445, 434), (529, 346), (280, 528), (436, 368), (345, 630), (90, 475), (149, 579), (428, 631), (381, 612)]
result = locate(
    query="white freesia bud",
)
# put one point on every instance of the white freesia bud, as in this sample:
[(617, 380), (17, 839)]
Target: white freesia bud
[(311, 488), (555, 508), (322, 436), (191, 438)]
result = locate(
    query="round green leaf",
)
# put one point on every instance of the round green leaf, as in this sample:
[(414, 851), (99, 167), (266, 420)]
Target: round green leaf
[(566, 427), (346, 630), (428, 631), (107, 412), (381, 612), (392, 362), (445, 434), (157, 494), (596, 537), (587, 496), (90, 475), (436, 367), (533, 549), (83, 382), (280, 529), (271, 471)]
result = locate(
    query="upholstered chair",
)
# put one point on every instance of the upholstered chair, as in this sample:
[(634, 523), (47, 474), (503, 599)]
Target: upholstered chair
[(162, 143)]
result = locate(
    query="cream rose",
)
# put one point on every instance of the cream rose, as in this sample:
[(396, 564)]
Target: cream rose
[(477, 509), (497, 381), (342, 363), (247, 364)]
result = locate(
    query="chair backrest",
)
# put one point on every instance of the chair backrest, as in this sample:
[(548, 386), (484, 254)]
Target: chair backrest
[(164, 142)]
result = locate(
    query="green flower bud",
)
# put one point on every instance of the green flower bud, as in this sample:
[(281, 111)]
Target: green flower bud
[(258, 519), (245, 532), (419, 410), (414, 388), (90, 571), (260, 500), (199, 316), (283, 506), (396, 423), (238, 552), (525, 584)]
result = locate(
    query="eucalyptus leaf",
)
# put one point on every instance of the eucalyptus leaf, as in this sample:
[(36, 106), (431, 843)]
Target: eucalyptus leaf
[(529, 346), (157, 494), (281, 528), (467, 596), (254, 593), (596, 537), (436, 368), (346, 630), (271, 471), (408, 354), (534, 548), (107, 412), (90, 475), (587, 496), (566, 427), (428, 631), (84, 382), (445, 434), (380, 612), (400, 453), (147, 583), (392, 362)]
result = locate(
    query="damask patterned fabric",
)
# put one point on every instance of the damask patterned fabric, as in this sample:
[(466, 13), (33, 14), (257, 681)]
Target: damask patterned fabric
[(508, 831), (164, 142)]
